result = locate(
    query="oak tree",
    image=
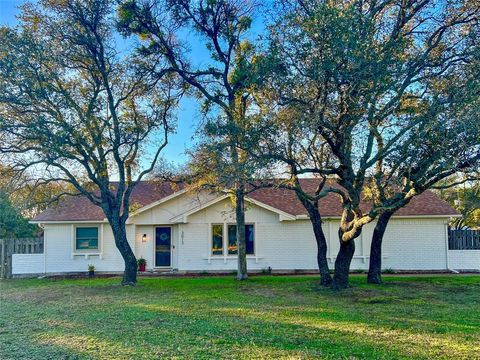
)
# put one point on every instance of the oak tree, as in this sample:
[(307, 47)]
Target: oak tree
[(352, 65), (223, 82), (77, 107)]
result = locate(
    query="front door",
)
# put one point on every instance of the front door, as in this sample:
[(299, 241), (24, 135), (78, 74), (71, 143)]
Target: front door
[(163, 246)]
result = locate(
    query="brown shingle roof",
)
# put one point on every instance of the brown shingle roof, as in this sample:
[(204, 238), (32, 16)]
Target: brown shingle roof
[(427, 203), (81, 209)]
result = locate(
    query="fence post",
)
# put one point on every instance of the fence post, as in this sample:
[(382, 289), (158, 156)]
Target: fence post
[(2, 258), (10, 248)]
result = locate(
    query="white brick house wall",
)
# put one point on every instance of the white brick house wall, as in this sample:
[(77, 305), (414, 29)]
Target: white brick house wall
[(418, 244), (61, 258), (410, 243)]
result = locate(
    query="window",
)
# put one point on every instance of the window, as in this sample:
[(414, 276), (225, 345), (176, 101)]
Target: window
[(86, 238), (232, 239), (217, 239), (249, 239)]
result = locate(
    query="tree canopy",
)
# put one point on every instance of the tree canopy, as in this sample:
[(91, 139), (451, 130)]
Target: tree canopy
[(78, 109), (224, 84), (377, 83)]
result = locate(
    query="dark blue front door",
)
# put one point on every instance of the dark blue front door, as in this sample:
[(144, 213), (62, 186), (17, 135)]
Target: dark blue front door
[(163, 242)]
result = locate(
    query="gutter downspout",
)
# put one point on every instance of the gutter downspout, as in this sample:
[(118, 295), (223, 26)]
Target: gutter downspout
[(44, 248), (447, 260)]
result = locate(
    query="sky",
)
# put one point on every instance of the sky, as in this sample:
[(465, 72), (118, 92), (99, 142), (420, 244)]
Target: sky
[(188, 114)]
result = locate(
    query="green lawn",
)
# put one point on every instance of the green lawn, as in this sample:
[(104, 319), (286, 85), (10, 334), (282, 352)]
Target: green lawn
[(217, 317)]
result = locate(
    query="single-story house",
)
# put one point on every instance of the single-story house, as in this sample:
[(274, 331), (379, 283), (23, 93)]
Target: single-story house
[(175, 229)]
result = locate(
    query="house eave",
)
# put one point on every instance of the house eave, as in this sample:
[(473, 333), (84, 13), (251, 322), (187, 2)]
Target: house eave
[(306, 217), (283, 216), (68, 221)]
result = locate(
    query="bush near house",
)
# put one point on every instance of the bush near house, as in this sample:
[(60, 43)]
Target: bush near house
[(218, 317)]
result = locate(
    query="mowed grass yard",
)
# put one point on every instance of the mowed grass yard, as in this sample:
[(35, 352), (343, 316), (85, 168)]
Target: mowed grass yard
[(218, 317)]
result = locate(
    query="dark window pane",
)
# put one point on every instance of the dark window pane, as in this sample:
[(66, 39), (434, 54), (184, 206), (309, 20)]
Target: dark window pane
[(232, 239), (249, 239), (217, 239), (87, 232), (86, 238)]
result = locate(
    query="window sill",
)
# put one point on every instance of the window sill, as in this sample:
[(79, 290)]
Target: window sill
[(364, 258), (87, 255), (231, 257)]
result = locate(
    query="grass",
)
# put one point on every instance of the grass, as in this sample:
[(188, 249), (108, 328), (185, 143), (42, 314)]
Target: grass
[(218, 317)]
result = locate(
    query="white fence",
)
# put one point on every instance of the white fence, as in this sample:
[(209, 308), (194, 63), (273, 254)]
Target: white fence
[(9, 247), (464, 259), (28, 264)]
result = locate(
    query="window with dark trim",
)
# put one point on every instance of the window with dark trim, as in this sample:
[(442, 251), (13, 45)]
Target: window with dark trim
[(249, 239), (217, 239), (232, 240), (86, 238)]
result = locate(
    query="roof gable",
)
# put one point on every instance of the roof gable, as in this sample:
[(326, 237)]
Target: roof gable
[(183, 218)]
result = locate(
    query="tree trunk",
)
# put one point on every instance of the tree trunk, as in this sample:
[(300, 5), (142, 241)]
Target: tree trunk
[(241, 245), (342, 264), (120, 235), (316, 220), (375, 267)]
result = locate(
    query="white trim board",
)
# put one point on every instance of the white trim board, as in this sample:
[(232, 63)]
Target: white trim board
[(183, 218), (155, 203), (306, 217), (104, 221)]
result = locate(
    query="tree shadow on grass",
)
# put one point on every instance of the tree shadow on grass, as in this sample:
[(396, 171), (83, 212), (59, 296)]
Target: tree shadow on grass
[(229, 320), (167, 330)]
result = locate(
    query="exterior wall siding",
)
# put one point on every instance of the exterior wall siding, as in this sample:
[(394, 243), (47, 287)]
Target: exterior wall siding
[(410, 244), (417, 244), (59, 250), (164, 212)]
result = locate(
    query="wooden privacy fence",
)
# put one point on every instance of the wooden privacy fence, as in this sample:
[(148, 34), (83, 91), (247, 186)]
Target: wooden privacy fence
[(463, 239), (17, 246)]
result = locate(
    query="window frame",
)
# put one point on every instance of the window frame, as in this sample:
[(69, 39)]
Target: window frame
[(225, 240), (98, 250), (211, 239)]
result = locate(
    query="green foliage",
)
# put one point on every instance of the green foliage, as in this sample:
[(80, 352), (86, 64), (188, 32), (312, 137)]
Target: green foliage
[(75, 108), (79, 108), (388, 271), (394, 107), (12, 222), (267, 271), (141, 261), (465, 199), (216, 317), (224, 83)]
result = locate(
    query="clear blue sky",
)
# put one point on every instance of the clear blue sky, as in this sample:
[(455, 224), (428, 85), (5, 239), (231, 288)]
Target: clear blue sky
[(188, 114)]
